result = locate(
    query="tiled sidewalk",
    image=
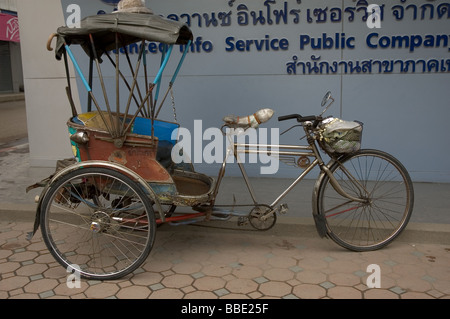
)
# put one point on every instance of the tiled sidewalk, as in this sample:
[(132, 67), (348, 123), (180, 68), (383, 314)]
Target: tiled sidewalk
[(208, 263)]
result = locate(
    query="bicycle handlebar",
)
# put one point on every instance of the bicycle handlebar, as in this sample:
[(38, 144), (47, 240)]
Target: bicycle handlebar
[(300, 118)]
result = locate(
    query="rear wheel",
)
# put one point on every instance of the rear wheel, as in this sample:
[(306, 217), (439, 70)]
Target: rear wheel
[(387, 194), (99, 222)]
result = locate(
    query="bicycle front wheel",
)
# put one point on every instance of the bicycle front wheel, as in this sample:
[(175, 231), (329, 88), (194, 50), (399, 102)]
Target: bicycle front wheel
[(98, 222), (387, 197)]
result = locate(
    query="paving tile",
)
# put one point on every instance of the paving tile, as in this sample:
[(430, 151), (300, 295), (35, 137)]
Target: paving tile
[(209, 283), (314, 263), (64, 290), (241, 286), (188, 289), (46, 294), (380, 294), (222, 258), (282, 262), (344, 293), (36, 277), (327, 285), (279, 274), (295, 269), (157, 265), (253, 259), (9, 234), (101, 290), (41, 285), (442, 286), (221, 292), (55, 272), (416, 295), (344, 279), (248, 272), (9, 267), (187, 268), (411, 283), (133, 292), (344, 266), (398, 290), (13, 283), (44, 258), (23, 256), (198, 275), (235, 296), (167, 293), (32, 269), (177, 281), (311, 277), (411, 270), (275, 289), (435, 294), (261, 280), (27, 296), (309, 291), (440, 273), (146, 278), (201, 295), (217, 270), (156, 287), (255, 295), (5, 253)]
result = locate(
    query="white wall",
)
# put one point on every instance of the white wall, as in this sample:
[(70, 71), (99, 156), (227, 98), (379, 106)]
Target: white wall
[(10, 5), (45, 82)]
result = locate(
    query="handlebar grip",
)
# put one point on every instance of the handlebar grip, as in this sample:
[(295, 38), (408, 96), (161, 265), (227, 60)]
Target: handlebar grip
[(289, 117), (298, 117), (307, 118)]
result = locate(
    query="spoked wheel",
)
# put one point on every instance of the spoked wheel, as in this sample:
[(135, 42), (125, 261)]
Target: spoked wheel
[(99, 222), (387, 196)]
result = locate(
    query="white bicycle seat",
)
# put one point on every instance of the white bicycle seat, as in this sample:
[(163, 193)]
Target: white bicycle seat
[(253, 120)]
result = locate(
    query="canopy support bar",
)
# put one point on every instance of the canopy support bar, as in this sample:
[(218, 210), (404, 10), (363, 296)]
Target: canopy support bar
[(122, 76), (133, 75), (133, 85), (117, 84), (174, 77), (69, 87), (85, 83), (100, 75)]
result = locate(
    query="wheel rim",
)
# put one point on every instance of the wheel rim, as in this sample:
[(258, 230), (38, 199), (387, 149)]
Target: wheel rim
[(386, 190), (99, 224)]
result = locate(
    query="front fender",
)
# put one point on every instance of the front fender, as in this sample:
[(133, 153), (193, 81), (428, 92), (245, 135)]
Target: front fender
[(319, 219), (103, 164)]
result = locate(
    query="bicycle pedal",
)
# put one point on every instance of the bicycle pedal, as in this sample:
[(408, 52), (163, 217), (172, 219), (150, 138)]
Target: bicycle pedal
[(283, 209), (242, 221)]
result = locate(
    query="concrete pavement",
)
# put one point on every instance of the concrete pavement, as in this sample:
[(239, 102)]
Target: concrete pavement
[(209, 261)]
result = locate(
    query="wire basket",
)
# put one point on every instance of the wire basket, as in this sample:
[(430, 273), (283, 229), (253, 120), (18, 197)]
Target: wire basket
[(337, 136)]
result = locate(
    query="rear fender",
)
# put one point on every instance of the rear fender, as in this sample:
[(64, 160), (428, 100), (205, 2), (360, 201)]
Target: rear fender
[(101, 164)]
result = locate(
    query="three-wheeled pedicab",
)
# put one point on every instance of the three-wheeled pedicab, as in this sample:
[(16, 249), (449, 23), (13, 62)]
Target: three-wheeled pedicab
[(98, 215)]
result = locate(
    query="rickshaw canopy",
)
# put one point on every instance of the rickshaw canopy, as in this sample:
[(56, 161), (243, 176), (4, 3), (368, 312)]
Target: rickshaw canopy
[(132, 27)]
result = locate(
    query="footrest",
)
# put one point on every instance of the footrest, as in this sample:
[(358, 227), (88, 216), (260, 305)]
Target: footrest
[(192, 188)]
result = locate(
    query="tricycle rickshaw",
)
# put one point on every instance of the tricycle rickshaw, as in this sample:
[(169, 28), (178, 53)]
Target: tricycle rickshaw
[(99, 213)]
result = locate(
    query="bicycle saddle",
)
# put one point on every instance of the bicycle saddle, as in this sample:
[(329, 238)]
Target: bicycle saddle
[(253, 120)]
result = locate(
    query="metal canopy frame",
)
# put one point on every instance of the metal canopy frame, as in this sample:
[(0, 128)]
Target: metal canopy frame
[(103, 36)]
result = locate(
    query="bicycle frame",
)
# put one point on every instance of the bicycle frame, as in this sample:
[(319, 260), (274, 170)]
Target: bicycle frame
[(309, 151)]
